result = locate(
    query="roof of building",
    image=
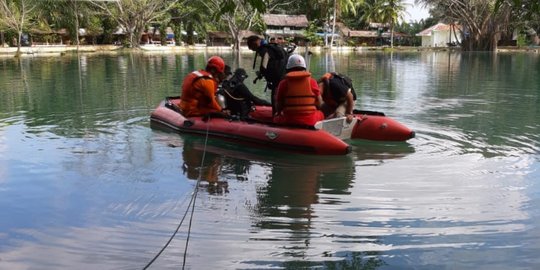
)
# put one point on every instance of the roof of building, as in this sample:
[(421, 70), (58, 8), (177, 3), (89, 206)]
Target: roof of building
[(247, 33), (436, 28), (285, 20), (218, 34), (373, 34), (362, 33), (376, 25)]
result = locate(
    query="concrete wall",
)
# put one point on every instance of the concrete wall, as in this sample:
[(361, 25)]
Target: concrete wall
[(440, 39)]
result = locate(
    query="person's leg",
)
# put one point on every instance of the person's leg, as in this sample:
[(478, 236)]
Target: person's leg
[(273, 98)]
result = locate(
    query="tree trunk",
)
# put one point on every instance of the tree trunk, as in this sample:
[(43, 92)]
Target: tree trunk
[(531, 33), (20, 30), (77, 25), (19, 39), (190, 39), (455, 34), (482, 38), (131, 41), (333, 25), (392, 35), (237, 41)]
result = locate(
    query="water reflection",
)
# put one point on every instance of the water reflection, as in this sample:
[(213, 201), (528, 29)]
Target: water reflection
[(296, 188), (85, 183), (204, 165), (372, 152)]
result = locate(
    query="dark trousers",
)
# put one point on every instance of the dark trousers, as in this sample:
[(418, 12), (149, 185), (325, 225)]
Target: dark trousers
[(273, 91)]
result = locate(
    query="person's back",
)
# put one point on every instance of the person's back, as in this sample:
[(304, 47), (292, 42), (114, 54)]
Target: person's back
[(298, 96), (275, 69), (338, 95), (273, 62), (199, 89), (238, 99)]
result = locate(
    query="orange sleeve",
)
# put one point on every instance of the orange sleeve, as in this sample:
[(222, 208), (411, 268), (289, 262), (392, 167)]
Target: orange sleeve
[(208, 88)]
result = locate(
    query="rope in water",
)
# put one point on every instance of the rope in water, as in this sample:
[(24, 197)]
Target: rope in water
[(191, 204)]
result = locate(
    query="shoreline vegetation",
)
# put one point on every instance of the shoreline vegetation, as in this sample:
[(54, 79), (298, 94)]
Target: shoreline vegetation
[(57, 50)]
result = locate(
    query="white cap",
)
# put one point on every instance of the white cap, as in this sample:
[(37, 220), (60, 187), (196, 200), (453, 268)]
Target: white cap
[(296, 60)]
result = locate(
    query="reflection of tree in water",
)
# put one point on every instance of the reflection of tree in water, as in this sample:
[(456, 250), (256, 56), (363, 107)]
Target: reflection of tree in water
[(290, 192), (357, 261), (218, 164), (237, 167), (352, 261), (294, 185), (285, 205)]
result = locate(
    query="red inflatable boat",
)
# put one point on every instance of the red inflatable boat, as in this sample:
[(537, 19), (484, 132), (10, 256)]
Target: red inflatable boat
[(326, 138)]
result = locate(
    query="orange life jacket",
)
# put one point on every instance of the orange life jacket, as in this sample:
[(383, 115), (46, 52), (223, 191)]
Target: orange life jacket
[(299, 97), (191, 96)]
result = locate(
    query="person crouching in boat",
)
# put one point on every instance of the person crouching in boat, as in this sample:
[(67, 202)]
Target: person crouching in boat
[(199, 89), (298, 97), (237, 97), (338, 96)]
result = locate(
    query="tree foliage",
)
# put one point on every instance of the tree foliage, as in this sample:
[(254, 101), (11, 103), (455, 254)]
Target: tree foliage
[(384, 11), (132, 16), (235, 15), (16, 15), (482, 22)]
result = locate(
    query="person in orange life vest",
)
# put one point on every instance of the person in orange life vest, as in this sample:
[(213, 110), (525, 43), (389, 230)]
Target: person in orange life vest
[(298, 97), (199, 89), (338, 96)]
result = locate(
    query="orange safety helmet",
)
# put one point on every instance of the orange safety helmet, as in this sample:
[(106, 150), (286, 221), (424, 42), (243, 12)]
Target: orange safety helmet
[(217, 63)]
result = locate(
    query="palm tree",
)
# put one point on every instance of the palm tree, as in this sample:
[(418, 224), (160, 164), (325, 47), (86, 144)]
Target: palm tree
[(343, 6), (371, 11), (391, 11)]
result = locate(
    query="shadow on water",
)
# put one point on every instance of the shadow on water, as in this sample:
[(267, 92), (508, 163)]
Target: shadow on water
[(366, 151)]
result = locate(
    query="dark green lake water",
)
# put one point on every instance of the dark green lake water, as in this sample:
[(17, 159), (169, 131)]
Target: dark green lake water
[(86, 183)]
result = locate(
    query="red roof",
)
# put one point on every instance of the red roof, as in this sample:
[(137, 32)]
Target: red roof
[(436, 28)]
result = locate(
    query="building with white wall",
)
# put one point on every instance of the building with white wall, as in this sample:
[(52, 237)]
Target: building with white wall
[(440, 35)]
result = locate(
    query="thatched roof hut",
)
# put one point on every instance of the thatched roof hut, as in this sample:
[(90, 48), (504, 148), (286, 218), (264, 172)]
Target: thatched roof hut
[(281, 26), (283, 20)]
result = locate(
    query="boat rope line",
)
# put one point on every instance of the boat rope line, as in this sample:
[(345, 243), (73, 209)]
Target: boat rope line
[(196, 191), (231, 96), (191, 206)]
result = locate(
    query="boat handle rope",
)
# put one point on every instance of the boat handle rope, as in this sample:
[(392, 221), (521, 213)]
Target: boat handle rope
[(191, 206), (362, 118)]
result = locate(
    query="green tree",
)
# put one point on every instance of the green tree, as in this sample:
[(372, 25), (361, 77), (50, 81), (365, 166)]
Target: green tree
[(236, 17), (391, 12), (134, 15), (16, 15), (525, 18), (371, 11), (385, 11), (482, 21), (342, 6), (70, 14), (187, 16)]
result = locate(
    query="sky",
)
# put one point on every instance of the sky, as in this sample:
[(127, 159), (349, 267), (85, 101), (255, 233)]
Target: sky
[(415, 12)]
